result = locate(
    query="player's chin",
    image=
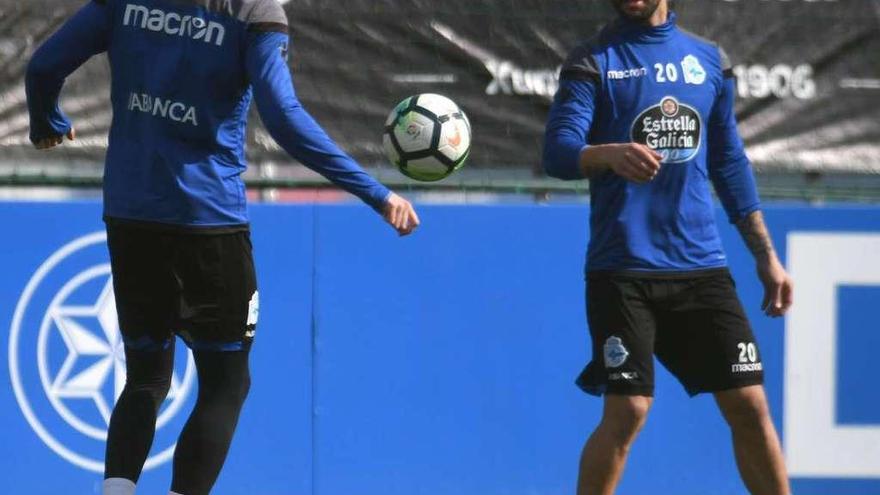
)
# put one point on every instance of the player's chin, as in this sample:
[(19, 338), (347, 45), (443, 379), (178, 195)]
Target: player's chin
[(636, 10), (635, 14)]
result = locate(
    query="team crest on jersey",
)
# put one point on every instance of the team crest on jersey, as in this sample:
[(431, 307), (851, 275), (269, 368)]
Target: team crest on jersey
[(615, 352), (694, 73), (670, 128)]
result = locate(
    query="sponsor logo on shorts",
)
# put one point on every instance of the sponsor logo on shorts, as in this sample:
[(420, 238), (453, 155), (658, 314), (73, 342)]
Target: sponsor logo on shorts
[(748, 359), (749, 367), (623, 375), (173, 24), (253, 315), (615, 352), (163, 108)]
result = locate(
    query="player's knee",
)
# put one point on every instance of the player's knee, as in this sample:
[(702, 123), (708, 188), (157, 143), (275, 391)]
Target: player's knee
[(242, 388), (744, 408), (625, 416), (232, 388), (155, 389)]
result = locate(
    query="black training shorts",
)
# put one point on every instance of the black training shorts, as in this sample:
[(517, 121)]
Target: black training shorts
[(693, 322), (200, 285)]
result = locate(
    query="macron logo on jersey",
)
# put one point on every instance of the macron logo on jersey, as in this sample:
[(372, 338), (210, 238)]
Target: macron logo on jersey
[(627, 73), (166, 109), (173, 24)]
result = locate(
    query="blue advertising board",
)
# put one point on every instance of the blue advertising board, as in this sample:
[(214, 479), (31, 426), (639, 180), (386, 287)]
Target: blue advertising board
[(442, 363)]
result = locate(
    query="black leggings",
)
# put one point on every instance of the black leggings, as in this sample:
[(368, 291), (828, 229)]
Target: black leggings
[(224, 380)]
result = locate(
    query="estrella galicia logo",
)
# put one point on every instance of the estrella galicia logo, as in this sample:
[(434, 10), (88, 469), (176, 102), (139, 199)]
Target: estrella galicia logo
[(670, 128), (67, 363), (615, 352)]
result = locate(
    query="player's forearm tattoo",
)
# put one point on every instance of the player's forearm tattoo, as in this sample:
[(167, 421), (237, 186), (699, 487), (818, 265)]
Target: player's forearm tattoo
[(755, 234)]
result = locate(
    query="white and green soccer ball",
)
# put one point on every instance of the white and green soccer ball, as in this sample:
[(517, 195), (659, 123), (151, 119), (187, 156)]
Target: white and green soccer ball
[(427, 137)]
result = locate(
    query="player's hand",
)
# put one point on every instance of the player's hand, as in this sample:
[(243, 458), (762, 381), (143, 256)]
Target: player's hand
[(54, 141), (778, 287), (400, 214), (634, 162)]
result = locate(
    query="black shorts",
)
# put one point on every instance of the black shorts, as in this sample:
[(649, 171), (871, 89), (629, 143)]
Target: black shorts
[(201, 286), (694, 323)]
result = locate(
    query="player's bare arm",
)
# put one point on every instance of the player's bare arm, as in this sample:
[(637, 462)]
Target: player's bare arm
[(778, 287), (632, 161)]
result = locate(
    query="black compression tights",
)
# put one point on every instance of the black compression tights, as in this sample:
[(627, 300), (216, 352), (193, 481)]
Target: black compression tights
[(224, 381)]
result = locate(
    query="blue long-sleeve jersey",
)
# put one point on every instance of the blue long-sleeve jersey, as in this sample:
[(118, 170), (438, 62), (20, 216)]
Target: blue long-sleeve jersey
[(674, 92), (184, 73)]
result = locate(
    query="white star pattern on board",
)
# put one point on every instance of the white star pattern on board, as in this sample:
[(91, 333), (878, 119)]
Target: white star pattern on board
[(103, 349)]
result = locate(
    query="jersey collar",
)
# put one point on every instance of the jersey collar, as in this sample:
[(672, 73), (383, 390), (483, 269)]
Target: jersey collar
[(636, 31)]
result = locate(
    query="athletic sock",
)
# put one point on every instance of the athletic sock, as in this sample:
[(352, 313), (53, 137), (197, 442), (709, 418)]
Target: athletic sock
[(118, 486), (174, 493)]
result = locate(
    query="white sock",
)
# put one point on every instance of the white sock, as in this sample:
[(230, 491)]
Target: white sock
[(174, 493), (118, 486)]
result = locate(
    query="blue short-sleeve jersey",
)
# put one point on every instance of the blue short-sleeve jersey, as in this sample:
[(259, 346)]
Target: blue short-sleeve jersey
[(672, 91)]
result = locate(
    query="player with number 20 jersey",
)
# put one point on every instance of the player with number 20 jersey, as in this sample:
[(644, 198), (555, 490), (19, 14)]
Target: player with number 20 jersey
[(645, 112)]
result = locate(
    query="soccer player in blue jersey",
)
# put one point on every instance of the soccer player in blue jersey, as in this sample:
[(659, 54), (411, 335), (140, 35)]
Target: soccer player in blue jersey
[(184, 74), (645, 112)]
